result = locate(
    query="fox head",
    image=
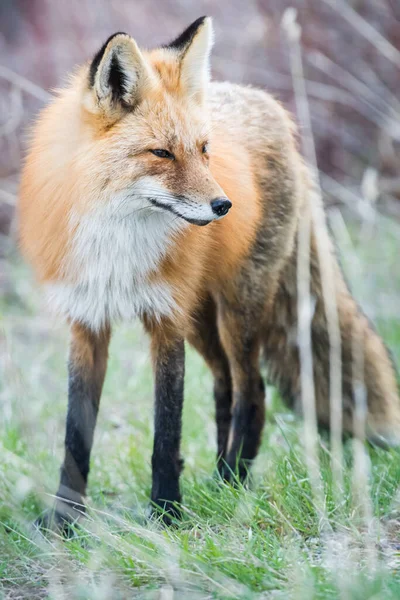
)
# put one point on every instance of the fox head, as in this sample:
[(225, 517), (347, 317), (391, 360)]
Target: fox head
[(149, 125)]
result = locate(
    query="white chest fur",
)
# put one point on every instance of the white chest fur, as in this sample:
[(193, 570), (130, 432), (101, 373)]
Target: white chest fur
[(106, 275)]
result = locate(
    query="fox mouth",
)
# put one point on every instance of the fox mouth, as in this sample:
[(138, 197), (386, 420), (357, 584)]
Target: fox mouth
[(169, 208)]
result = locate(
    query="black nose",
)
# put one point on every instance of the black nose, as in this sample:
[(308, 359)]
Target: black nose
[(220, 206)]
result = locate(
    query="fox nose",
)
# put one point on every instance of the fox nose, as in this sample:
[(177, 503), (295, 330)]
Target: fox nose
[(220, 206)]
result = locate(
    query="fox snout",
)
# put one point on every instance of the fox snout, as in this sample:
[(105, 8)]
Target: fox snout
[(200, 214), (220, 206), (194, 210)]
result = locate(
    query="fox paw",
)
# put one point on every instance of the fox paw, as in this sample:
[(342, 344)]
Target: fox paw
[(61, 518), (166, 511)]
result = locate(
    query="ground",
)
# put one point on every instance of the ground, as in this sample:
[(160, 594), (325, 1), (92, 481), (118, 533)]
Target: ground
[(266, 541)]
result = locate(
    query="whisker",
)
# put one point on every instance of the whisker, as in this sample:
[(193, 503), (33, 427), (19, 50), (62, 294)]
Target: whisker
[(157, 194), (135, 211), (176, 218), (150, 195)]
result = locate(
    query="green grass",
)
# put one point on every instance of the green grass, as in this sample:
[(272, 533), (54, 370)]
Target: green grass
[(267, 541)]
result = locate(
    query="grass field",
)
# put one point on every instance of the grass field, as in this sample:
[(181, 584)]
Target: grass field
[(267, 541)]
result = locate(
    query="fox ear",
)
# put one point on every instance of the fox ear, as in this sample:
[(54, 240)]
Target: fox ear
[(194, 48), (118, 75)]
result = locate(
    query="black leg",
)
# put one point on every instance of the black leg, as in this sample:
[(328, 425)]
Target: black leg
[(169, 367), (241, 341), (223, 406), (205, 338), (246, 427), (87, 367)]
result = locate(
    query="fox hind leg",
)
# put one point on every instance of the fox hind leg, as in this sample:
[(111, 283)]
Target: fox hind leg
[(205, 338), (239, 331)]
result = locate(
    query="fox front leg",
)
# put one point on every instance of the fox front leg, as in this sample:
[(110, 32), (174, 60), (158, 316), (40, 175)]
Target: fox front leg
[(86, 371), (169, 366)]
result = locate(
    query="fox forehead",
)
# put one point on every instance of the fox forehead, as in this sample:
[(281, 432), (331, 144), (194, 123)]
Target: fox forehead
[(163, 121)]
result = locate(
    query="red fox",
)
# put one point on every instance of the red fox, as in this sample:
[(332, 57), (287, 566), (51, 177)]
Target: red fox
[(150, 192)]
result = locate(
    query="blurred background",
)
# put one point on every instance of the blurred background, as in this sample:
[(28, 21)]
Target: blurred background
[(351, 55)]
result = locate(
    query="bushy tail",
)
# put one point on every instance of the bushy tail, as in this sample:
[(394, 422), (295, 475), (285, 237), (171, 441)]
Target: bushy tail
[(370, 396)]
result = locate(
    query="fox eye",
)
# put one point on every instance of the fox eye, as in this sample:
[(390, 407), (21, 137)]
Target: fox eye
[(204, 148), (163, 154)]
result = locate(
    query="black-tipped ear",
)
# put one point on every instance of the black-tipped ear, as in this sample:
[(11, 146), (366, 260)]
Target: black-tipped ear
[(186, 37), (193, 48), (118, 75), (99, 55)]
